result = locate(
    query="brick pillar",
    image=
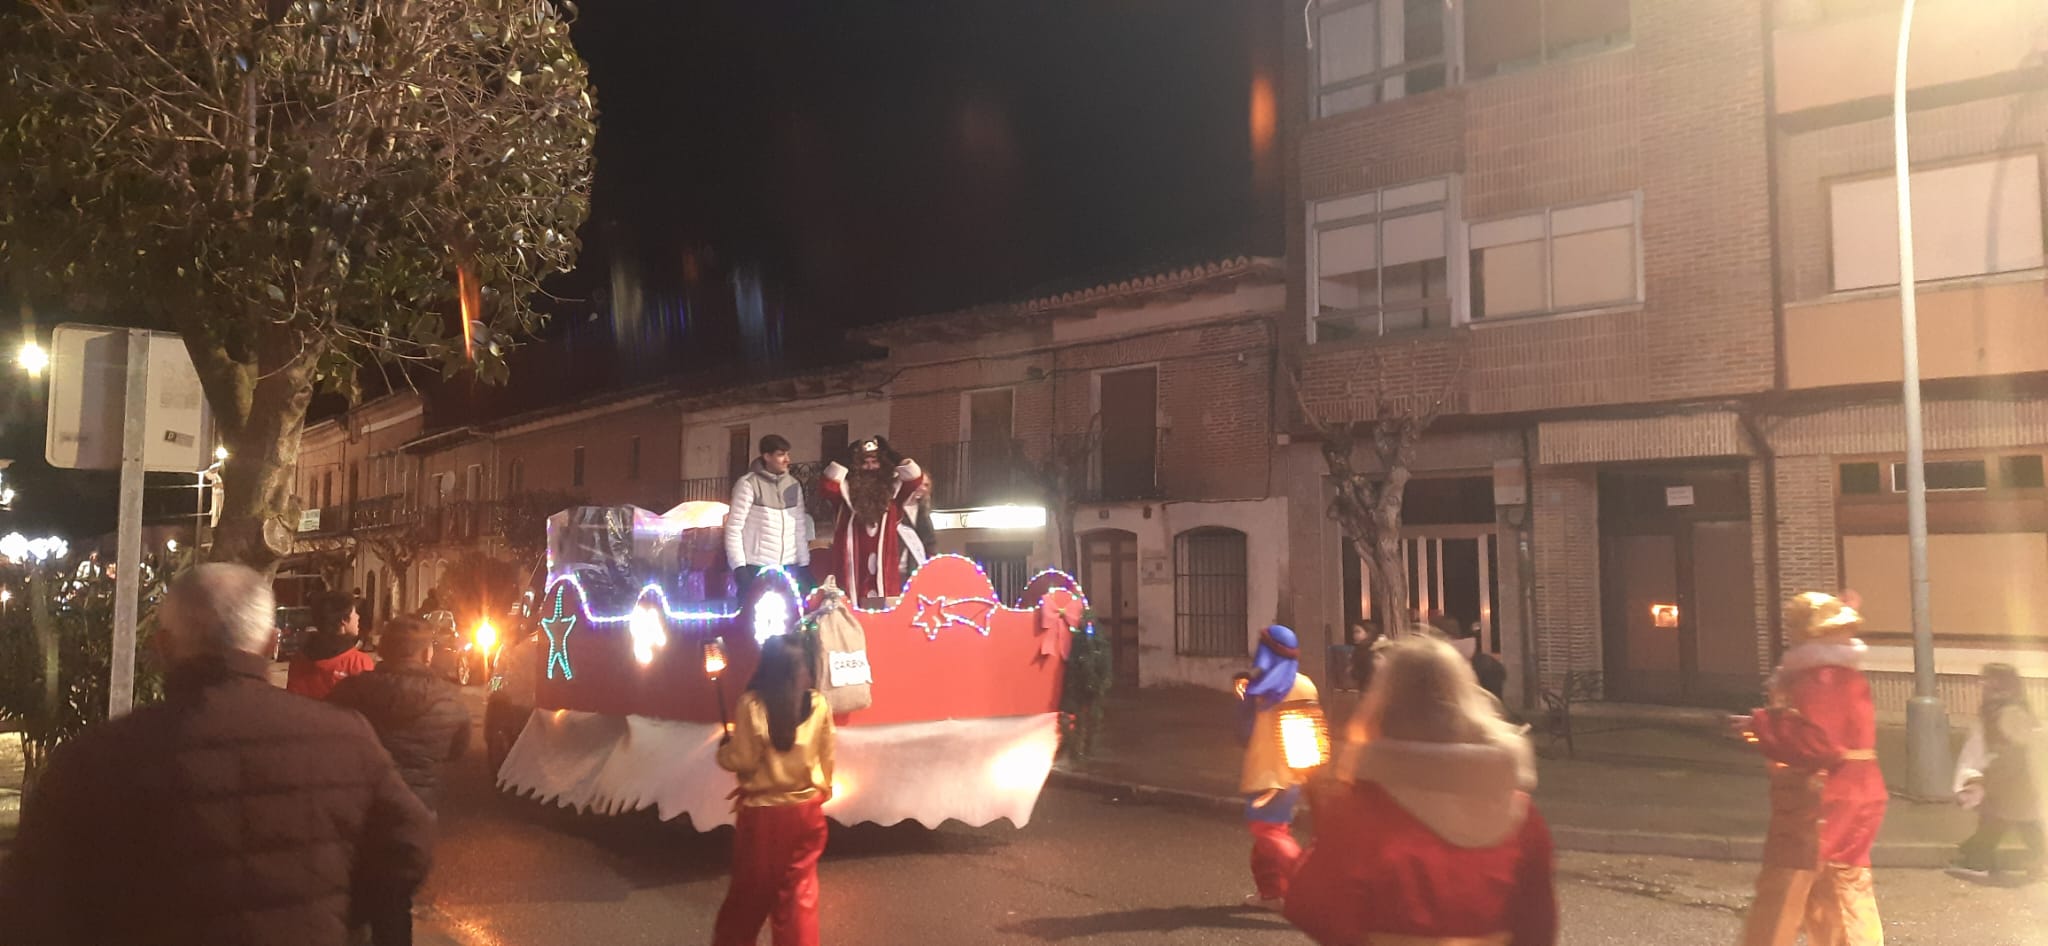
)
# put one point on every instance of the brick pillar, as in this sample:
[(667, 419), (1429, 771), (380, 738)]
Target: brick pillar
[(1566, 508), (1806, 528)]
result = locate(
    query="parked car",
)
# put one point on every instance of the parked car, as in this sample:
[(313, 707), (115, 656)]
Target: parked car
[(293, 624)]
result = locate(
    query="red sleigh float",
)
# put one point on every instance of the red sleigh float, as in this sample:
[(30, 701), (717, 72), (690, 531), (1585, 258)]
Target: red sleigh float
[(963, 718)]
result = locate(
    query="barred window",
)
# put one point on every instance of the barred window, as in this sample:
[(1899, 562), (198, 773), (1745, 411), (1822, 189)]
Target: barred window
[(1210, 593)]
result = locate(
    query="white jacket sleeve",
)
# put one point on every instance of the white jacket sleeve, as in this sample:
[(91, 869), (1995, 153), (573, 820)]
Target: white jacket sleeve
[(736, 522)]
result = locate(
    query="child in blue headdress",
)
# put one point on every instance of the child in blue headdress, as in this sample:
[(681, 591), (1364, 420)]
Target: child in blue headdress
[(1271, 789)]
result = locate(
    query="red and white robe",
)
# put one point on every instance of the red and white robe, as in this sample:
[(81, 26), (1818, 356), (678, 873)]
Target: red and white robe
[(1429, 844), (867, 557)]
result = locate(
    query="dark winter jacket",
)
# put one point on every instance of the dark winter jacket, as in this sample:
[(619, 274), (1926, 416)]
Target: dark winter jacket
[(327, 660), (232, 814), (418, 716)]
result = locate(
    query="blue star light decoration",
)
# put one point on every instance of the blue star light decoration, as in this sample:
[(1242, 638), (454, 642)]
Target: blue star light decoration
[(558, 629), (937, 614)]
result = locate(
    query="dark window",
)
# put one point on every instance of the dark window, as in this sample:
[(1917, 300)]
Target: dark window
[(326, 489), (1944, 475), (2020, 472), (515, 477), (633, 459), (739, 452), (1861, 479), (1007, 565), (1505, 35), (1211, 613), (832, 441), (576, 468), (1128, 462), (352, 473)]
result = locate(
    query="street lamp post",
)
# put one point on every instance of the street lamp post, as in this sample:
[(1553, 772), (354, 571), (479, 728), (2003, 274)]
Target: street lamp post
[(1927, 744)]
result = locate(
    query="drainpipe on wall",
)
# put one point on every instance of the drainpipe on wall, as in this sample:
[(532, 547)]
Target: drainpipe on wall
[(1772, 577), (1525, 565)]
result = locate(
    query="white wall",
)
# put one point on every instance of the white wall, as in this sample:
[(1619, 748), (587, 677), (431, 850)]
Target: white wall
[(704, 432), (1264, 524)]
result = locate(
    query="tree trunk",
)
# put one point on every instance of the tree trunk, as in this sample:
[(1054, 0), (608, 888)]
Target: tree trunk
[(34, 744), (1387, 562), (259, 405)]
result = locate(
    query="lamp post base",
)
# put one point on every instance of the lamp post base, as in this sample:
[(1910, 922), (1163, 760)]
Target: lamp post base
[(1930, 760)]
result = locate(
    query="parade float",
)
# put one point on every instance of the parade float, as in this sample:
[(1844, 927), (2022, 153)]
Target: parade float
[(947, 700)]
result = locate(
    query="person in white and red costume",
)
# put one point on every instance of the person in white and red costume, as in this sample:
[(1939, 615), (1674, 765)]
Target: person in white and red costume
[(867, 554), (1424, 829), (1819, 735)]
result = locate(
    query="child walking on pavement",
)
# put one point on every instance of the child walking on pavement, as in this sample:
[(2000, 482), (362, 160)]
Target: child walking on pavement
[(781, 748), (1271, 789), (1996, 776)]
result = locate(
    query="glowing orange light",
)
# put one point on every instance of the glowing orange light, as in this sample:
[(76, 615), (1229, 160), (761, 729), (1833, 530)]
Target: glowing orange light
[(472, 307), (714, 659), (1664, 615), (1265, 114)]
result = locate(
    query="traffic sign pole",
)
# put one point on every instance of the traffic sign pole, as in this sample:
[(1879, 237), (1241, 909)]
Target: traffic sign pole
[(128, 550)]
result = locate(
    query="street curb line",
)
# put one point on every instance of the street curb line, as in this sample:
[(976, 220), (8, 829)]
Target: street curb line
[(1711, 847)]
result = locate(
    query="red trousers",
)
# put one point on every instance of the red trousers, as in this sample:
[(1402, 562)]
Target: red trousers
[(775, 855), (1275, 854)]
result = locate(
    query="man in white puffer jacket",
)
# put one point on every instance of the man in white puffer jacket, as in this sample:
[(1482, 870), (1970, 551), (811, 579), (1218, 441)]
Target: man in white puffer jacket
[(767, 526)]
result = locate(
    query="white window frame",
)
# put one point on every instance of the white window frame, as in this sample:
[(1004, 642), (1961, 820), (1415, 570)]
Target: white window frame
[(1548, 216), (1456, 257), (1832, 188), (1547, 54), (1452, 59)]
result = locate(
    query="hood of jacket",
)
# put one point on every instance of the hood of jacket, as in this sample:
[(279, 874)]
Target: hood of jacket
[(1469, 794), (773, 491)]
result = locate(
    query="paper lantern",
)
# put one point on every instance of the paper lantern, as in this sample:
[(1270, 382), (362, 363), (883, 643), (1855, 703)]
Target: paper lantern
[(1304, 735)]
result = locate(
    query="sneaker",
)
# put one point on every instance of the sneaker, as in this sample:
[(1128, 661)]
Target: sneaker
[(1271, 904), (1969, 873)]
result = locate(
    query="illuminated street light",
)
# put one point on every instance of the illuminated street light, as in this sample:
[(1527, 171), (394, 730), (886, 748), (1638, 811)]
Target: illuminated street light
[(32, 358), (171, 546), (220, 454)]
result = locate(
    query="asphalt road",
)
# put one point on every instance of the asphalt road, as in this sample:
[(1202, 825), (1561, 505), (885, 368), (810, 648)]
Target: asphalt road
[(1088, 870)]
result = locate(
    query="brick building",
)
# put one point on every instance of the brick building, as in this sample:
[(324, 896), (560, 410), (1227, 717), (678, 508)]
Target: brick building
[(1645, 249), (1153, 396)]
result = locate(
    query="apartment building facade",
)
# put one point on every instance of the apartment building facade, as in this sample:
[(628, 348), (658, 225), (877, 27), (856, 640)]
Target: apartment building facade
[(389, 505), (1641, 248), (1152, 398)]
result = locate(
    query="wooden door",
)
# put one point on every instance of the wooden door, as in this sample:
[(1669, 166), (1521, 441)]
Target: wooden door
[(1723, 624), (1643, 658), (739, 451), (832, 441), (1109, 576), (990, 417), (1130, 436)]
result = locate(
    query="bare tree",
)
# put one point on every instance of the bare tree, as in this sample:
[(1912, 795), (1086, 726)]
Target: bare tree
[(301, 189), (1063, 474), (1367, 503)]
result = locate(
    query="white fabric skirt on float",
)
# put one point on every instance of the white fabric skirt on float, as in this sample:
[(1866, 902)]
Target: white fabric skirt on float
[(969, 770)]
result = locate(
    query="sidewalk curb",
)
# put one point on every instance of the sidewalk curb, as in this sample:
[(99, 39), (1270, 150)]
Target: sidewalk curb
[(1711, 847)]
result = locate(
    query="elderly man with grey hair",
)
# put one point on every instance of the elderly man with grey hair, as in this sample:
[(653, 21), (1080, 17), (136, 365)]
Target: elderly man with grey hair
[(232, 813)]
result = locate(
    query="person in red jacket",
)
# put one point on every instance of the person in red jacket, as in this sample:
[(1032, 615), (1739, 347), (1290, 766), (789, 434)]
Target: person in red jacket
[(1819, 734), (330, 654), (1424, 829)]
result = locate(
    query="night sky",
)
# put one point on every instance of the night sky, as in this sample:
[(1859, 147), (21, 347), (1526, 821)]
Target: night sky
[(769, 173)]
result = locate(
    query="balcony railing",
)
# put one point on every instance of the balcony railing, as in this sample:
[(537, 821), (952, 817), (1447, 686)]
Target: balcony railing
[(718, 489), (975, 473), (715, 489), (1118, 467)]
